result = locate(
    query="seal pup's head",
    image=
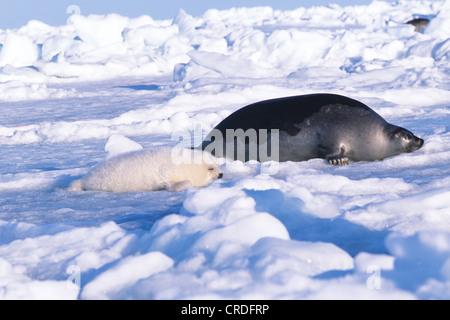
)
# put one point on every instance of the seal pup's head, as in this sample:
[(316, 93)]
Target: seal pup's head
[(197, 167)]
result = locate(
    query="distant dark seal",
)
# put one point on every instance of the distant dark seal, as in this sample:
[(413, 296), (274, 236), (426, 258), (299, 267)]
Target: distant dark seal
[(299, 128), (419, 24)]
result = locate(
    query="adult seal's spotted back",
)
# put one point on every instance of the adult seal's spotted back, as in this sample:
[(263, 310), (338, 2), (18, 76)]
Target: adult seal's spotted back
[(329, 126)]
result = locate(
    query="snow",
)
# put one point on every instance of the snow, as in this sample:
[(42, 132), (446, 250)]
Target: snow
[(73, 95)]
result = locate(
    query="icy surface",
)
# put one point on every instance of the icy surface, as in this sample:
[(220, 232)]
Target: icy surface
[(73, 95)]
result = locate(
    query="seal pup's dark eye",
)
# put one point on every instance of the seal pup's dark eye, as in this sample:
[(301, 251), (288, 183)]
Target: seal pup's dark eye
[(210, 169)]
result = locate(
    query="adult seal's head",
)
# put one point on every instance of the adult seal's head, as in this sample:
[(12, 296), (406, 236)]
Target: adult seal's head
[(401, 141), (329, 126)]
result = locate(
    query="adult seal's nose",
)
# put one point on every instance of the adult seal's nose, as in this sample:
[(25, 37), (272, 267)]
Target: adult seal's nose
[(421, 142)]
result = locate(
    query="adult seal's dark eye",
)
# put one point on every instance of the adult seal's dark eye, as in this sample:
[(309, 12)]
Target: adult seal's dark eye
[(408, 136)]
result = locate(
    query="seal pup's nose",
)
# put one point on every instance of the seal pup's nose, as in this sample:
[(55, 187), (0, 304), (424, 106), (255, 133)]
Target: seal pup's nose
[(220, 176)]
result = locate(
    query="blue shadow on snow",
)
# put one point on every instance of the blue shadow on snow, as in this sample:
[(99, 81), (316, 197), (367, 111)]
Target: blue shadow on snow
[(142, 87), (302, 226)]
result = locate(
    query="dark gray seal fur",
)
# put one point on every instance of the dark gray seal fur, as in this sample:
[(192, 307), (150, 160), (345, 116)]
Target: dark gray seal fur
[(329, 126)]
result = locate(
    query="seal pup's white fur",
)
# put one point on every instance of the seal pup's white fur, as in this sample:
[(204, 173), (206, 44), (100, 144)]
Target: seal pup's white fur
[(151, 170)]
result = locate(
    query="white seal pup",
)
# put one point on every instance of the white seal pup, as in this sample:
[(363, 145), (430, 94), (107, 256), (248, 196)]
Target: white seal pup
[(150, 170), (329, 126)]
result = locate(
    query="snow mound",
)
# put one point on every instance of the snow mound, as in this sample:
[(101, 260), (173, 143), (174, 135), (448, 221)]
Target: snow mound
[(99, 47)]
